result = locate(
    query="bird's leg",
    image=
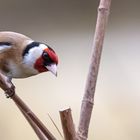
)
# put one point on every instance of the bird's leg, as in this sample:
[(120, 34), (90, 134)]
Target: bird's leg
[(10, 91)]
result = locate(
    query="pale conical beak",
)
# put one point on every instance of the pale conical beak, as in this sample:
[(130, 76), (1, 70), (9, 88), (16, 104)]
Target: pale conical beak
[(52, 68)]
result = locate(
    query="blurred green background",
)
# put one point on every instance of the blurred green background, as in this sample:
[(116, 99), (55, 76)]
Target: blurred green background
[(68, 27)]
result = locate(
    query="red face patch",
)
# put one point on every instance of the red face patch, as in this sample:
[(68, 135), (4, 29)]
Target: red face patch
[(39, 65), (40, 62)]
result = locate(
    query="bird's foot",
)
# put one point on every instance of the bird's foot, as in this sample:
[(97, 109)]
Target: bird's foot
[(10, 92)]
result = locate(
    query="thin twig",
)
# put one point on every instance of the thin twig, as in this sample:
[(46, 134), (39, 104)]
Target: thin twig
[(56, 126), (88, 99)]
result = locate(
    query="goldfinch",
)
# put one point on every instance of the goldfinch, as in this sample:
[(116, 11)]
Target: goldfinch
[(22, 57)]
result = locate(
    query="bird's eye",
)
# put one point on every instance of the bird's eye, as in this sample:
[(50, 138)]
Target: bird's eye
[(45, 55), (47, 59)]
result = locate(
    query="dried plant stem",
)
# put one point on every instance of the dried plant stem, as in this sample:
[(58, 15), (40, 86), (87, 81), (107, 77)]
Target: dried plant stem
[(36, 129), (33, 117), (67, 124), (30, 116), (88, 99)]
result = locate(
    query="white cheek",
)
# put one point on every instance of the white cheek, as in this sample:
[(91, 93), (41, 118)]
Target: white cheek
[(33, 55)]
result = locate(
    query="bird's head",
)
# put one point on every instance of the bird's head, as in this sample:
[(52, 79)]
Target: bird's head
[(42, 57), (47, 61)]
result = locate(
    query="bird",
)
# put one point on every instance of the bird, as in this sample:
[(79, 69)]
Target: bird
[(22, 57)]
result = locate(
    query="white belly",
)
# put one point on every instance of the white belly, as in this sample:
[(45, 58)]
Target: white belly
[(21, 71)]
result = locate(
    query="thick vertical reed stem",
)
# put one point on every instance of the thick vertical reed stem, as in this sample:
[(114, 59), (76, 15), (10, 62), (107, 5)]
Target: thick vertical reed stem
[(88, 99)]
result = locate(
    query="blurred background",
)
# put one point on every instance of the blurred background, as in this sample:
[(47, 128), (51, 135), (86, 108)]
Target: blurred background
[(68, 27)]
